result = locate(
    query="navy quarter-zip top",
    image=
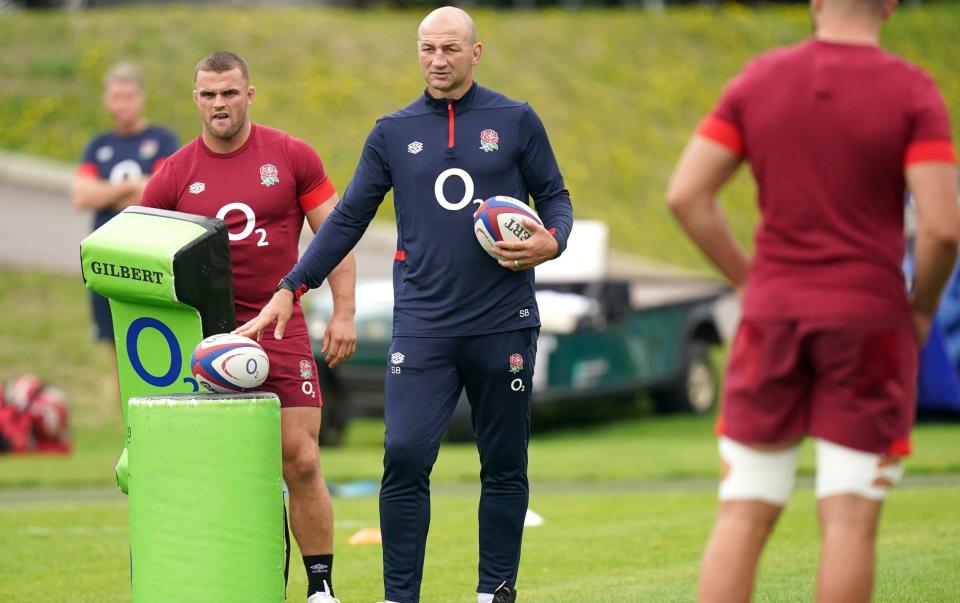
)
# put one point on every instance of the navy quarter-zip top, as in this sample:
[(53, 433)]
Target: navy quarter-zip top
[(442, 158)]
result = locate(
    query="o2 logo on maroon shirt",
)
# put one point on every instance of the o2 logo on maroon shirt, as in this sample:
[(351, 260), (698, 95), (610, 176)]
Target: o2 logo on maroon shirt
[(248, 227)]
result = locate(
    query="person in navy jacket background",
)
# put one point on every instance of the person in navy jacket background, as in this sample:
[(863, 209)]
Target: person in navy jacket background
[(462, 320), (115, 168)]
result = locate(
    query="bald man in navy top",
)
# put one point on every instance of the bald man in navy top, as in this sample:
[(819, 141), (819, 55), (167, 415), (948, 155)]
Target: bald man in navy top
[(461, 319)]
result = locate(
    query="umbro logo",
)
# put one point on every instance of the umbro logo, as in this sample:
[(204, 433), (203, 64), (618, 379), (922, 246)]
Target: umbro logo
[(316, 569), (197, 187), (414, 147)]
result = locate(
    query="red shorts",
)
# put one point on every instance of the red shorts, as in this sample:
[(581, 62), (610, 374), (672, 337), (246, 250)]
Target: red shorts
[(293, 373), (852, 384)]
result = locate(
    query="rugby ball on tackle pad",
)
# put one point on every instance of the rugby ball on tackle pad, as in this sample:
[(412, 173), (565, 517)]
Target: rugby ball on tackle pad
[(501, 219), (228, 363)]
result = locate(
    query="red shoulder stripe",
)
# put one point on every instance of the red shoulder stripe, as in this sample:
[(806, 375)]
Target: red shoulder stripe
[(922, 151), (87, 170), (318, 196), (721, 131)]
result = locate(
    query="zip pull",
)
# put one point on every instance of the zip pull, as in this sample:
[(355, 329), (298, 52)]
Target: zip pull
[(450, 124)]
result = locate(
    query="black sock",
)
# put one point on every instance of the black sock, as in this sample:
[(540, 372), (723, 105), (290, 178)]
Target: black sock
[(319, 571)]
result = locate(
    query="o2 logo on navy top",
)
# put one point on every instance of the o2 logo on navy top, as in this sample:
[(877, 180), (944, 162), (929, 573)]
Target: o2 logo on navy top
[(467, 189), (128, 169)]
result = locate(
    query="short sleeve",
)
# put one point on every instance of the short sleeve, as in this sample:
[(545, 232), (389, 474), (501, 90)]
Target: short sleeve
[(168, 146), (314, 187), (723, 124), (88, 161), (161, 190), (930, 137)]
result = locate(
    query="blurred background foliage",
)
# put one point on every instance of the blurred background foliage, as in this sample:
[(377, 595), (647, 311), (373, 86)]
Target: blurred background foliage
[(619, 90)]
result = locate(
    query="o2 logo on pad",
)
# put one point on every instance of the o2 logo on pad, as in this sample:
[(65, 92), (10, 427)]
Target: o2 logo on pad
[(168, 378), (248, 227)]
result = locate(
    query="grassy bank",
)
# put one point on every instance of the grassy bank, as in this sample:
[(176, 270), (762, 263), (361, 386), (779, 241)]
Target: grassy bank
[(619, 91)]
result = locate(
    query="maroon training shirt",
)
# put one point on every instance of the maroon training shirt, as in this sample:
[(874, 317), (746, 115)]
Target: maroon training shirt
[(828, 129), (262, 191)]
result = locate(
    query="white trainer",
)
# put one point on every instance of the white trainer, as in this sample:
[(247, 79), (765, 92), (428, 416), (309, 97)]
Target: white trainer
[(323, 597)]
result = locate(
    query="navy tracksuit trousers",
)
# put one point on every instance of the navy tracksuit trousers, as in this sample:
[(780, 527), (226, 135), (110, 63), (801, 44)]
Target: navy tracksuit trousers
[(425, 376)]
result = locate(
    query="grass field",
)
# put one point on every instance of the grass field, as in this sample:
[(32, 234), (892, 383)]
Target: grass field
[(597, 544), (628, 503), (619, 90)]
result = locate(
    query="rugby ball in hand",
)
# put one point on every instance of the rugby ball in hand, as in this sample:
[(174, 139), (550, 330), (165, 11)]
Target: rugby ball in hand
[(228, 363), (501, 219)]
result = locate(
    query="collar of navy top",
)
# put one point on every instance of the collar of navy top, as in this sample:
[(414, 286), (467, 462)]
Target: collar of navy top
[(460, 105)]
